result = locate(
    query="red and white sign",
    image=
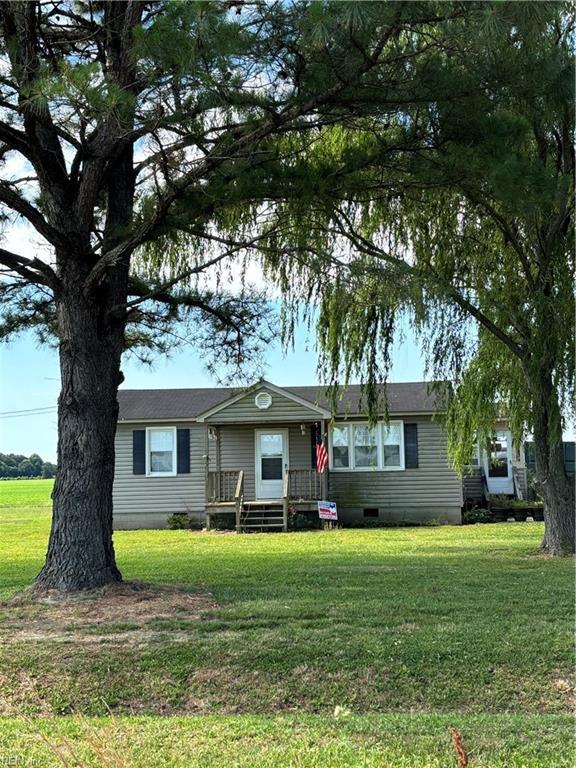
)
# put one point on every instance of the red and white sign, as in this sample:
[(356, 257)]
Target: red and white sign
[(327, 510)]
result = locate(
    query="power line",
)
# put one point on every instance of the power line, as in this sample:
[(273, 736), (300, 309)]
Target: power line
[(28, 412)]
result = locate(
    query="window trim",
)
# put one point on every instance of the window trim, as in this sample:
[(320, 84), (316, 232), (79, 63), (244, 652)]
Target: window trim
[(330, 448), (352, 449), (174, 471), (402, 466), (380, 426)]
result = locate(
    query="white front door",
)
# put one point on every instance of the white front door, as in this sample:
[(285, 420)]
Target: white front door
[(498, 465), (271, 462)]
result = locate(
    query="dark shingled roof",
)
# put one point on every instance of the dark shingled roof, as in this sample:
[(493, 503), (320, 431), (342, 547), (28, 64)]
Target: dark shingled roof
[(145, 404)]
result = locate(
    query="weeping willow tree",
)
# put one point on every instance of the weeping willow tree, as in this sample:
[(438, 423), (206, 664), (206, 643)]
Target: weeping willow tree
[(448, 198)]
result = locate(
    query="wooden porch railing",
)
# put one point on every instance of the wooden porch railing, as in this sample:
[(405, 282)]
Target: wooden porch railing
[(299, 485), (222, 485), (304, 484)]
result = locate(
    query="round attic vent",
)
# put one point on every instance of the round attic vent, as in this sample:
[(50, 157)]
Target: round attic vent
[(263, 400)]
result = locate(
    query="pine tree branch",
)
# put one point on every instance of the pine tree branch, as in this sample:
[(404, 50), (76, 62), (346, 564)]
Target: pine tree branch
[(33, 270), (20, 25), (10, 197), (244, 140), (15, 139), (191, 301)]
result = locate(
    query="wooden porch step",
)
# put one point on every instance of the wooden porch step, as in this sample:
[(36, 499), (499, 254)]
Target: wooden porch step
[(264, 520), (262, 525), (256, 503)]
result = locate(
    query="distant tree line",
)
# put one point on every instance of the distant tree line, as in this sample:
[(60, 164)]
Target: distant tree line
[(15, 465)]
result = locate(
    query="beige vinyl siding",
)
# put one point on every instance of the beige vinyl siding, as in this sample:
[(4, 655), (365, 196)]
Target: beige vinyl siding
[(433, 490), (281, 409), (146, 502), (237, 447)]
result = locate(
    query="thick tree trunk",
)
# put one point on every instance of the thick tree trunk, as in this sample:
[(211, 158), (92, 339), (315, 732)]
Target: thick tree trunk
[(80, 550), (556, 487)]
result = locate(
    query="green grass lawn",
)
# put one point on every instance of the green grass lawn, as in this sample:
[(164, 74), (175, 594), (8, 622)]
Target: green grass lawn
[(25, 493), (408, 631)]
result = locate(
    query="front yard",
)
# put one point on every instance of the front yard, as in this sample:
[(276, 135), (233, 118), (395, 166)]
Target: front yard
[(338, 648)]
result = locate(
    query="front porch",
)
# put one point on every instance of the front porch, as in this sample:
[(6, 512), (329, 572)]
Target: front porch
[(261, 457), (225, 494)]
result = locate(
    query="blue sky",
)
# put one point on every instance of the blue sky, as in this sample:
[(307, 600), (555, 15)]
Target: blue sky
[(30, 379)]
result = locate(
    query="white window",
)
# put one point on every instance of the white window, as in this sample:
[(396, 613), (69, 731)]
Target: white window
[(340, 447), (361, 447), (393, 445), (161, 451), (365, 447)]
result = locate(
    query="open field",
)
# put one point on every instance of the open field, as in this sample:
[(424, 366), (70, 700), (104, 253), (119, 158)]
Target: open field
[(25, 493), (410, 630)]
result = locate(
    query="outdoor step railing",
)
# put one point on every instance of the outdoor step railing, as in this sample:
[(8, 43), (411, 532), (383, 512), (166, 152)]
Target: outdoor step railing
[(239, 499)]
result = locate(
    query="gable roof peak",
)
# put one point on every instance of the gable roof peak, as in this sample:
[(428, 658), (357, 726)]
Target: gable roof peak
[(265, 384)]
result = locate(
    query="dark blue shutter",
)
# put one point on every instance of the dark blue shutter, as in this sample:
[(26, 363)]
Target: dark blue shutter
[(411, 446), (183, 452), (139, 452)]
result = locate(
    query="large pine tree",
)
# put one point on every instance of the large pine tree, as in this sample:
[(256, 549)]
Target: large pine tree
[(146, 127)]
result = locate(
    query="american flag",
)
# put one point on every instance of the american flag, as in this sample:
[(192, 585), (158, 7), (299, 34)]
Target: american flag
[(321, 453)]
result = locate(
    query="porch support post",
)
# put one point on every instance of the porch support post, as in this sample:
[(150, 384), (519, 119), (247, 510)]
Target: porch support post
[(324, 476), (238, 518), (207, 483), (218, 472), (285, 499)]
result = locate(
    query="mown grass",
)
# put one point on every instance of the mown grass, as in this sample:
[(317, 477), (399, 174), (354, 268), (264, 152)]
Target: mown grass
[(303, 741), (463, 626), (25, 493)]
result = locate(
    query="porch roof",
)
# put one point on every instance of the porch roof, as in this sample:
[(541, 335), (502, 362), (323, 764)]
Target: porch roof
[(189, 404)]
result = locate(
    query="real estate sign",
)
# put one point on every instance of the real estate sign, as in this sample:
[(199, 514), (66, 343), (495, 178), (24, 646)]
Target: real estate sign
[(327, 510)]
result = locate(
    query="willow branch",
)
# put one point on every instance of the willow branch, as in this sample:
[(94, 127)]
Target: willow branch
[(366, 246)]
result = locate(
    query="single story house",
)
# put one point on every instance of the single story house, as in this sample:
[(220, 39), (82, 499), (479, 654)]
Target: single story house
[(252, 452)]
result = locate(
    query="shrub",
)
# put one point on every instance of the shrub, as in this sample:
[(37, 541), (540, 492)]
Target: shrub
[(525, 504), (501, 499), (476, 515), (302, 521), (178, 521)]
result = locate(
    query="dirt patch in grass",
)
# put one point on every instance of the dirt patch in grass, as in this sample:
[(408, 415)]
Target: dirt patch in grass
[(127, 613), (565, 686)]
